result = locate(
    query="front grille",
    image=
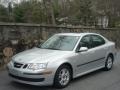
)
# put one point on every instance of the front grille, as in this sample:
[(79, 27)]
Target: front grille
[(25, 66), (17, 65)]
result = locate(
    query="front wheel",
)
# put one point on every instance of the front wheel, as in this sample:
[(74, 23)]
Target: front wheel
[(62, 76), (109, 63)]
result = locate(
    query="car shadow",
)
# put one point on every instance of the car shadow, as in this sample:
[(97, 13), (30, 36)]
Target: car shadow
[(30, 87)]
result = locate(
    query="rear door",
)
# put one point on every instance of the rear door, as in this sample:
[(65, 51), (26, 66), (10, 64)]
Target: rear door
[(99, 48)]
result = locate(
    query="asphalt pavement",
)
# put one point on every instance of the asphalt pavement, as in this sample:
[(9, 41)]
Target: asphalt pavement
[(98, 80)]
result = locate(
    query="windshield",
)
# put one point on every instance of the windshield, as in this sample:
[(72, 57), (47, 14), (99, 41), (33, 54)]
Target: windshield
[(60, 42)]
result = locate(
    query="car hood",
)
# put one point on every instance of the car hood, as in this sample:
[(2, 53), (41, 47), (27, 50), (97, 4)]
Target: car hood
[(37, 55)]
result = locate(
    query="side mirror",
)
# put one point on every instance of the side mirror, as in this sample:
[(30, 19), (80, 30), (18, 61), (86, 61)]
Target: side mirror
[(82, 49)]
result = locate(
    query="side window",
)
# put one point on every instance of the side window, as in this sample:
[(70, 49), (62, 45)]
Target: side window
[(86, 42), (97, 40)]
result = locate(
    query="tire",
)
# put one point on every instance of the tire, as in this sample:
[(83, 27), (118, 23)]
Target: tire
[(109, 63), (62, 76)]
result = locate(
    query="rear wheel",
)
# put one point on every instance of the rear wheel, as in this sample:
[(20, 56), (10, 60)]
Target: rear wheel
[(109, 63), (62, 76)]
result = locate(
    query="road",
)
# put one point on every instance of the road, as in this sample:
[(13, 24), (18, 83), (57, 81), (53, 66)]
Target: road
[(99, 80)]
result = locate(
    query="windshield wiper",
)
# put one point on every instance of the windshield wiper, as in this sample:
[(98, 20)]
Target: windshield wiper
[(52, 48)]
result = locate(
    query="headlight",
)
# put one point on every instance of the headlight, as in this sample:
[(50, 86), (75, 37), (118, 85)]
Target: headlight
[(37, 66)]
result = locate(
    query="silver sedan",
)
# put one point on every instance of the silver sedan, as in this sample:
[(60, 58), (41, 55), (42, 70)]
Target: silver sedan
[(62, 57)]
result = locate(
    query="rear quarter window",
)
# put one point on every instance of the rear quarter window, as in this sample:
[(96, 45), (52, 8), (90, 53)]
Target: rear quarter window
[(97, 40)]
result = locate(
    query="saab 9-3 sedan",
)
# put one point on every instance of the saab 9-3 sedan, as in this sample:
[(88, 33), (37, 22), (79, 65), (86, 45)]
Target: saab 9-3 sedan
[(61, 58)]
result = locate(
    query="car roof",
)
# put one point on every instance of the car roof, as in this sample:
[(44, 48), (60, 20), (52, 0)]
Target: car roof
[(76, 34)]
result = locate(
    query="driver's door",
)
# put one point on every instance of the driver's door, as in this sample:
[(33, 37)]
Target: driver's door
[(84, 60)]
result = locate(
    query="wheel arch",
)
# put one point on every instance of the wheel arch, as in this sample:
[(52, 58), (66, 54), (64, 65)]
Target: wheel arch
[(68, 64), (111, 54)]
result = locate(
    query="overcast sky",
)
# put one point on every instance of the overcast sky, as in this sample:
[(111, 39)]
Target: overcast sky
[(5, 2)]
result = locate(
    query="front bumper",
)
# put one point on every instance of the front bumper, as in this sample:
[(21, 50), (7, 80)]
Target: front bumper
[(38, 79)]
